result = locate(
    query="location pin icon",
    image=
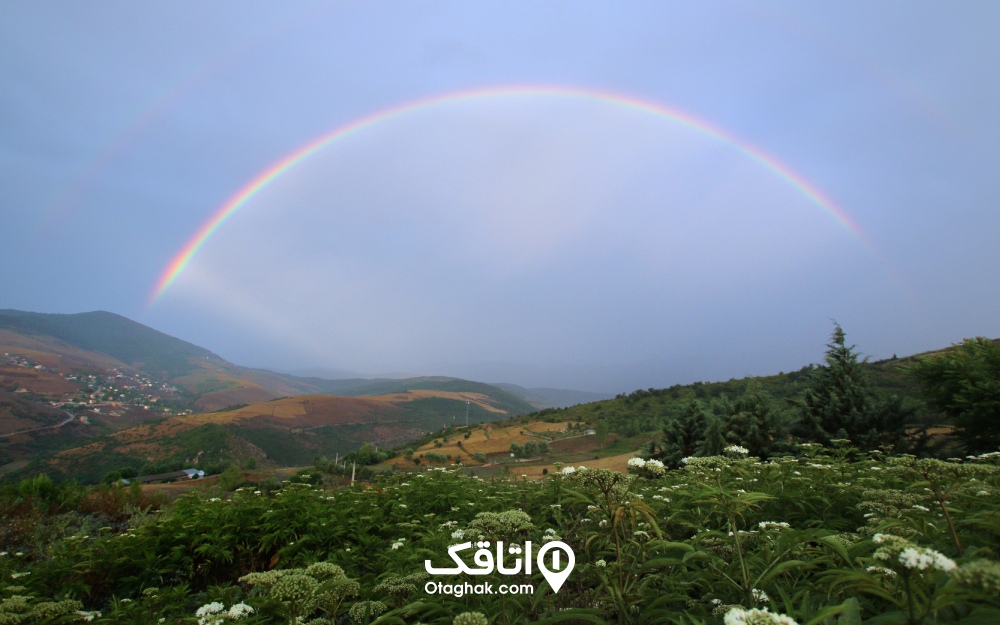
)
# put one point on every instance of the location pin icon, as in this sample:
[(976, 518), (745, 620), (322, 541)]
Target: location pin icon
[(556, 576)]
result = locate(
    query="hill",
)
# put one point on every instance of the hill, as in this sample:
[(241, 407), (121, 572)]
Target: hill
[(116, 373), (647, 410), (281, 432), (142, 348), (99, 342), (542, 398)]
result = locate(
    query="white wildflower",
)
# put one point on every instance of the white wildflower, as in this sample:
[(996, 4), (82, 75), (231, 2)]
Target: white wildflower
[(210, 608), (739, 616), (881, 570)]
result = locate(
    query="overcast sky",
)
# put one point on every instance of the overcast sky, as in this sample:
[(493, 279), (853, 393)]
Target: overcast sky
[(548, 231)]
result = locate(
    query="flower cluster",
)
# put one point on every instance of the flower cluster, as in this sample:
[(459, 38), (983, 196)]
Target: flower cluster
[(881, 570), (647, 468), (22, 609), (897, 549), (501, 524), (983, 574), (737, 450), (371, 609), (739, 616), (215, 613), (470, 618), (399, 588), (322, 585), (707, 463), (295, 588)]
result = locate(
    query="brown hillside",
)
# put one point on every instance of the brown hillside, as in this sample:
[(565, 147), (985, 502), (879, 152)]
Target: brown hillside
[(38, 382), (55, 354), (384, 415), (305, 411)]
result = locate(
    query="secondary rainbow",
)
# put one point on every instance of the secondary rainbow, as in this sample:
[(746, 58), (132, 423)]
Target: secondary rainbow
[(183, 257)]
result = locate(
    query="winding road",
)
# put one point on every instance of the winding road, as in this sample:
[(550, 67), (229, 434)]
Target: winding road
[(69, 417)]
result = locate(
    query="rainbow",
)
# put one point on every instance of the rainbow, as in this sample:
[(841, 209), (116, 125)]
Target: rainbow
[(183, 257)]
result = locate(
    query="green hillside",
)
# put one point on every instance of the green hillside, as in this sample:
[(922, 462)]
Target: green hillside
[(144, 348), (648, 411)]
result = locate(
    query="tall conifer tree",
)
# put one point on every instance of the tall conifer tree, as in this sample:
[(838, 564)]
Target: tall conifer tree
[(838, 403)]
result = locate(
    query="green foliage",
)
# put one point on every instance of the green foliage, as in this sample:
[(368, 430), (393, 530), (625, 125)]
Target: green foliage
[(41, 487), (964, 384), (753, 422), (230, 478), (714, 438), (837, 402), (602, 429), (814, 537), (683, 436), (840, 403)]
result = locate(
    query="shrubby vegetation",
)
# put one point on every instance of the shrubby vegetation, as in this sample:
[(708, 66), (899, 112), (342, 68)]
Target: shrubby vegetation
[(831, 532), (964, 384), (530, 449)]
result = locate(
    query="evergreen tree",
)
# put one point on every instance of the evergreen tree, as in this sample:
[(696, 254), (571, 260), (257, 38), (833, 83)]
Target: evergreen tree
[(715, 436), (964, 384), (838, 403), (754, 423), (890, 420), (683, 434)]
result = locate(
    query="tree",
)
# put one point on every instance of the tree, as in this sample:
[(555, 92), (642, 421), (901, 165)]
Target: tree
[(530, 449), (683, 434), (754, 423), (838, 403), (715, 436), (602, 431), (964, 384), (230, 478)]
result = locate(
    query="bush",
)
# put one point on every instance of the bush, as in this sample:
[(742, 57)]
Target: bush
[(231, 478)]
